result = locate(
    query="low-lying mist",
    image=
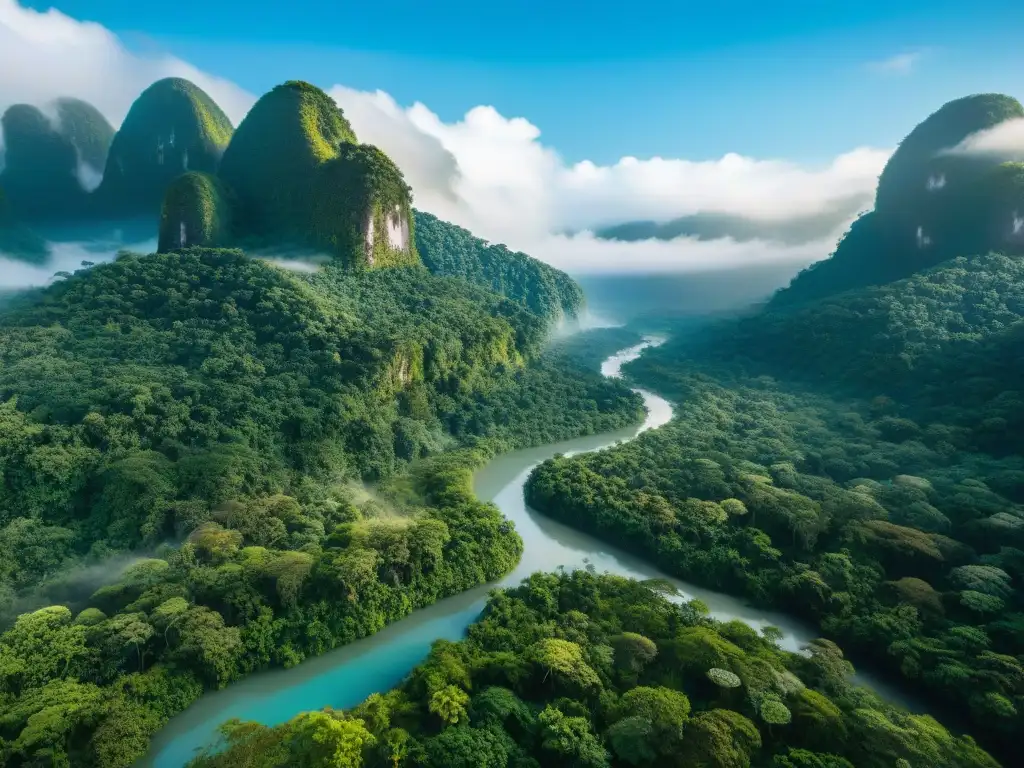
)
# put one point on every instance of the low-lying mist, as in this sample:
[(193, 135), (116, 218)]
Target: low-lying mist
[(625, 298), (72, 587), (64, 256)]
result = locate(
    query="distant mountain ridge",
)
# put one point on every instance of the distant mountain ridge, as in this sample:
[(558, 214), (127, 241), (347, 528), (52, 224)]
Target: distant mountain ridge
[(713, 225)]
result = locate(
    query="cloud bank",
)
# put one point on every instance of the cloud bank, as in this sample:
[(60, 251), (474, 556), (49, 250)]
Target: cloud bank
[(486, 171), (44, 55), (493, 175)]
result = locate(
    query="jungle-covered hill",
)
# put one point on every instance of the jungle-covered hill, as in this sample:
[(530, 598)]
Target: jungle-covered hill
[(222, 413), (934, 202)]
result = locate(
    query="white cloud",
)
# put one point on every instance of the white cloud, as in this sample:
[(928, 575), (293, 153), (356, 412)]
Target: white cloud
[(487, 172), (900, 64), (583, 254), (493, 175), (44, 55), (1005, 140)]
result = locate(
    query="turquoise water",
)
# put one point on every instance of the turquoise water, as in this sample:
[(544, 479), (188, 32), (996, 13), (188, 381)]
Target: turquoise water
[(346, 676)]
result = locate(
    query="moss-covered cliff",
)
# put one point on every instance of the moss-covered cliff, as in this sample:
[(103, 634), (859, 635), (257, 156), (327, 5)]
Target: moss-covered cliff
[(172, 128), (197, 211), (362, 209)]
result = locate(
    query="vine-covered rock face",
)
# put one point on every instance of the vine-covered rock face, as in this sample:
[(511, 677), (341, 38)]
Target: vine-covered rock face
[(172, 128), (40, 170), (274, 156), (363, 209), (197, 211)]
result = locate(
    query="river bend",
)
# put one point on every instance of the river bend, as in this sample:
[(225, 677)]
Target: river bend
[(345, 676)]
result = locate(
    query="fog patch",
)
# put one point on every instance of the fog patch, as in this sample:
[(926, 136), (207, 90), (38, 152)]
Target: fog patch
[(306, 267), (71, 587), (88, 177), (586, 254), (66, 257)]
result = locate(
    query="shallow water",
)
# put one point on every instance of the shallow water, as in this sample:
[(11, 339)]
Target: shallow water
[(344, 677)]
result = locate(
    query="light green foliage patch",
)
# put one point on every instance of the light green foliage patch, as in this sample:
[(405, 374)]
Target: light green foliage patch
[(199, 206)]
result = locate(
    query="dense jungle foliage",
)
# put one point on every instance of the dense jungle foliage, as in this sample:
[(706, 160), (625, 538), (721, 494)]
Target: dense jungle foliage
[(220, 413), (450, 250), (586, 671), (857, 461)]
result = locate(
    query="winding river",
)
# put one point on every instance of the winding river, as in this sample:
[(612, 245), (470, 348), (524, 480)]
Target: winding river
[(344, 677)]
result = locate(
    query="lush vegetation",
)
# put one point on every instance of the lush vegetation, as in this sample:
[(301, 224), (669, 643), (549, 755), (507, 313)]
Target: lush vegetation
[(905, 549), (198, 210), (855, 459), (173, 127), (450, 250), (597, 671), (220, 414), (940, 343)]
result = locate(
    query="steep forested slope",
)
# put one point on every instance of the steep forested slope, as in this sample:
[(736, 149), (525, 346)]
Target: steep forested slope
[(450, 250)]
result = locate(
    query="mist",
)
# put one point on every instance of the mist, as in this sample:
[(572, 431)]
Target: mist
[(1004, 141), (640, 297), (71, 587), (16, 274)]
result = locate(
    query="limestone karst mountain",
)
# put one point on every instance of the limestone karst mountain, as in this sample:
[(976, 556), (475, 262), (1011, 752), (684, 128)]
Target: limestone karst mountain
[(300, 178), (40, 174), (934, 202), (173, 127)]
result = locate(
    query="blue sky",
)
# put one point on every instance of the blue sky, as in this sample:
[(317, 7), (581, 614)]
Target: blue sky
[(794, 79)]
